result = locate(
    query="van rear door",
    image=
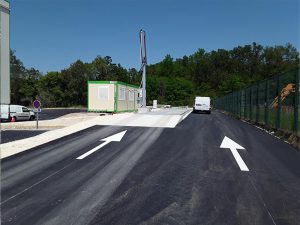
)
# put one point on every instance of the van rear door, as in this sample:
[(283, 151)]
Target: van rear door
[(202, 104), (4, 112)]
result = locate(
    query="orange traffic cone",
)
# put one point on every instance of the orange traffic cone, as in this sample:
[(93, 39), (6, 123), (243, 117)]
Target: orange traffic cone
[(13, 119)]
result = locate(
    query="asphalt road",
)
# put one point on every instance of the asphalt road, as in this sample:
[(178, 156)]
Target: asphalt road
[(155, 176), (13, 135), (49, 114)]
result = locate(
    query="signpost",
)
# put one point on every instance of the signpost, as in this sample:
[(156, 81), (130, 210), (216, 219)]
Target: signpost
[(37, 106)]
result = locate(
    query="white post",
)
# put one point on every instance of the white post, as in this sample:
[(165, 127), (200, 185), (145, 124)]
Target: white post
[(37, 119), (144, 87), (143, 52)]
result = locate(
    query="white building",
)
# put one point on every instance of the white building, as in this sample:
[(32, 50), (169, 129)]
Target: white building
[(4, 52), (112, 96)]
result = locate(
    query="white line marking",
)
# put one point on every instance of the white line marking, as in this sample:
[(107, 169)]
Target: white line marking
[(262, 200), (116, 137), (92, 150), (37, 183), (233, 146)]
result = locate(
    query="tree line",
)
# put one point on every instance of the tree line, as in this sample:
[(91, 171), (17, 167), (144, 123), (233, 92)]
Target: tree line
[(171, 81)]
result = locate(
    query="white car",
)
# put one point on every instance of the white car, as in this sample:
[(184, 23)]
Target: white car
[(17, 112), (202, 104)]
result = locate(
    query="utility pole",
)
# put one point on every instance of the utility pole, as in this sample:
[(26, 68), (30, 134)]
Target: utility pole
[(143, 55)]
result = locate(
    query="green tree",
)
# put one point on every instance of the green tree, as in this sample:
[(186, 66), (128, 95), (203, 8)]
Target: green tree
[(51, 90), (170, 81), (29, 87), (76, 77), (17, 71), (233, 83), (165, 68)]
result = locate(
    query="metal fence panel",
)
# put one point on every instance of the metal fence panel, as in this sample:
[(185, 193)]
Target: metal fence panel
[(272, 94), (274, 102)]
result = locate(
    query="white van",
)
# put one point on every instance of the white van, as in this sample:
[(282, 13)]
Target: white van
[(17, 112), (202, 104)]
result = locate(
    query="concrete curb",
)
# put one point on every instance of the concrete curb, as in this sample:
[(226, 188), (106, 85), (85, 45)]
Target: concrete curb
[(185, 114)]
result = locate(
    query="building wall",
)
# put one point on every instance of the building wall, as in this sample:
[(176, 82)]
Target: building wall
[(97, 100), (129, 103), (4, 53)]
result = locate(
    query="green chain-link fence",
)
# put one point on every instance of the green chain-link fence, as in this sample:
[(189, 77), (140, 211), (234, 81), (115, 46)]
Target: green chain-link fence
[(273, 102)]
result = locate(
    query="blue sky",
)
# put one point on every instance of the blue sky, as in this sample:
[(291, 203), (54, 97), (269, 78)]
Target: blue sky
[(51, 34)]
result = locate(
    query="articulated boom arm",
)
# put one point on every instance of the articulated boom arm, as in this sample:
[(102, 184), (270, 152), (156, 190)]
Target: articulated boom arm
[(285, 92), (143, 55)]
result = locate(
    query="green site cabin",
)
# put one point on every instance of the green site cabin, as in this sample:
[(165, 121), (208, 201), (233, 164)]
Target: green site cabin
[(115, 98)]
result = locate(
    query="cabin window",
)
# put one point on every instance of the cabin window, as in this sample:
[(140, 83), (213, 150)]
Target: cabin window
[(103, 93), (122, 92), (131, 95)]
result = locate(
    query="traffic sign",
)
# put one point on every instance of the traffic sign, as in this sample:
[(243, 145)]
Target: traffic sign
[(38, 110), (36, 104)]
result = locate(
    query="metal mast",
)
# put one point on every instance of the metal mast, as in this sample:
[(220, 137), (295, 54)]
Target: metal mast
[(143, 56)]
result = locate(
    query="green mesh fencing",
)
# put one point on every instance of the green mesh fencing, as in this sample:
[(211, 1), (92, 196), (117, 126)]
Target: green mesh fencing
[(273, 102)]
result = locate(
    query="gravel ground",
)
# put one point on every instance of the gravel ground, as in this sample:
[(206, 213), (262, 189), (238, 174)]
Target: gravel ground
[(13, 135)]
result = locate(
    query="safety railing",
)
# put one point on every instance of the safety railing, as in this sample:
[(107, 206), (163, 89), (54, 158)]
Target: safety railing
[(273, 102)]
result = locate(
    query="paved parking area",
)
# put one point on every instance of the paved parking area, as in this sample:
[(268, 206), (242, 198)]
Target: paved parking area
[(74, 122), (154, 175), (49, 114), (13, 135)]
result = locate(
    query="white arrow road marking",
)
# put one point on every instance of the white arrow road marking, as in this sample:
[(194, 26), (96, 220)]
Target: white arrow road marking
[(116, 137), (233, 146)]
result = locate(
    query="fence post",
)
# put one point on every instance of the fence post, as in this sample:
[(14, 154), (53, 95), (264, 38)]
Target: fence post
[(266, 103), (296, 103), (232, 102), (227, 105), (229, 100), (236, 104), (250, 103), (240, 100), (278, 92), (245, 104), (257, 103)]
